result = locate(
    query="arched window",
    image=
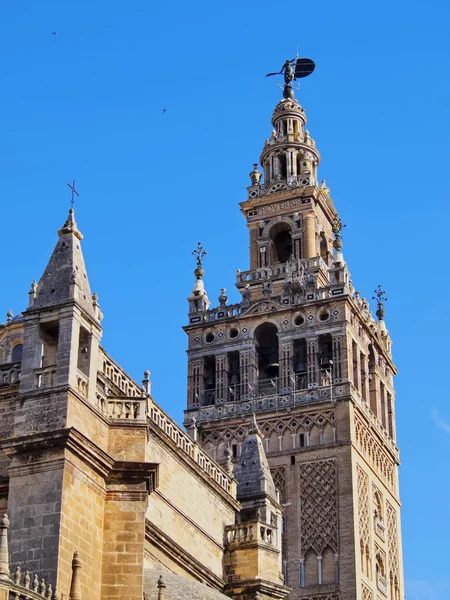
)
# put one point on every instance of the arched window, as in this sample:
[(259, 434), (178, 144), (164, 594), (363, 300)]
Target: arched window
[(266, 338), (323, 247), (282, 249), (311, 569), (16, 355), (328, 566)]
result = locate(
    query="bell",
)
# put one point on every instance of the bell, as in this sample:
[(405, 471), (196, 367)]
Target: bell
[(234, 379), (273, 366), (325, 361), (210, 382), (300, 367)]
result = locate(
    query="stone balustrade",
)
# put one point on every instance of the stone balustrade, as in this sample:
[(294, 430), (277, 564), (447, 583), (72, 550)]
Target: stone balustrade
[(82, 383), (250, 531), (10, 373), (44, 376), (270, 402), (126, 408), (181, 440)]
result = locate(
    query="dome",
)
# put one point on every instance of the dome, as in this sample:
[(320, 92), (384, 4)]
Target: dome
[(178, 587)]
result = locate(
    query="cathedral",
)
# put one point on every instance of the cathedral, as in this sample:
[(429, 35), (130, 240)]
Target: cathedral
[(283, 482)]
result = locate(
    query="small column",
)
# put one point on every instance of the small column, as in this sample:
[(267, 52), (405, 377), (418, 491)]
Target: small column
[(337, 357), (286, 353), (67, 352), (309, 243), (93, 362), (319, 568), (365, 377), (221, 378), (4, 555), (302, 572), (75, 584), (312, 349), (195, 383), (247, 368)]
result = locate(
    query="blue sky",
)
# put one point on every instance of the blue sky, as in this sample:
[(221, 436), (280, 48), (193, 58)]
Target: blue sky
[(87, 103)]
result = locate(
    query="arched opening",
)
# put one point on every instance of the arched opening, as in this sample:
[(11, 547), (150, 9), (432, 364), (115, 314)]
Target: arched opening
[(311, 569), (300, 364), (328, 566), (326, 351), (323, 247), (266, 341), (282, 249), (373, 391), (16, 355)]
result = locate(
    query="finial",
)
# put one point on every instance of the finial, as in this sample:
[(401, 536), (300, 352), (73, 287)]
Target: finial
[(380, 297), (228, 465), (255, 175), (223, 298), (9, 316), (17, 576), (254, 425), (95, 298), (146, 383), (4, 556), (161, 587), (75, 584), (336, 228), (199, 253), (70, 226)]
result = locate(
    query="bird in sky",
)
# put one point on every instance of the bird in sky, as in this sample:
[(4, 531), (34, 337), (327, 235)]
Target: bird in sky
[(164, 110), (53, 32)]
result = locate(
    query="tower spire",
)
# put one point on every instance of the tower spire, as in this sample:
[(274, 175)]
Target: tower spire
[(65, 276)]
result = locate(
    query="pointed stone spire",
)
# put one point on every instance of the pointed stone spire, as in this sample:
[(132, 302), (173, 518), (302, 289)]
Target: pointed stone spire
[(65, 276), (252, 472), (75, 584)]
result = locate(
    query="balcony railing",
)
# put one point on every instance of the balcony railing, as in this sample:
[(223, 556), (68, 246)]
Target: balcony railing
[(44, 376), (268, 400), (127, 408), (9, 373), (280, 271), (251, 531), (82, 383)]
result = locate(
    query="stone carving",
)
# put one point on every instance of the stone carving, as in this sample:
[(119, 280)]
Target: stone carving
[(318, 504), (374, 454), (279, 479), (363, 510), (392, 533), (367, 593)]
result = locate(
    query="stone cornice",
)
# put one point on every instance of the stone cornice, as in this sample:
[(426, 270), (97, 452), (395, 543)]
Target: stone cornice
[(181, 557)]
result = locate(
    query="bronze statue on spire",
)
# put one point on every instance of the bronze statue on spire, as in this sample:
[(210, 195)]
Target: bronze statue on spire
[(302, 68)]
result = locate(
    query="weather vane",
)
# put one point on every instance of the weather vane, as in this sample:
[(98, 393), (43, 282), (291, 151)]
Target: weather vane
[(74, 192), (199, 253), (294, 69)]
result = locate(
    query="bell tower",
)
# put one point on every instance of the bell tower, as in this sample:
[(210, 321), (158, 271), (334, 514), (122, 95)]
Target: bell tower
[(303, 353)]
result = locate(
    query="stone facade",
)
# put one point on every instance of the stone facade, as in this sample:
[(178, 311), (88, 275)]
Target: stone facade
[(290, 449), (90, 463), (303, 353)]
